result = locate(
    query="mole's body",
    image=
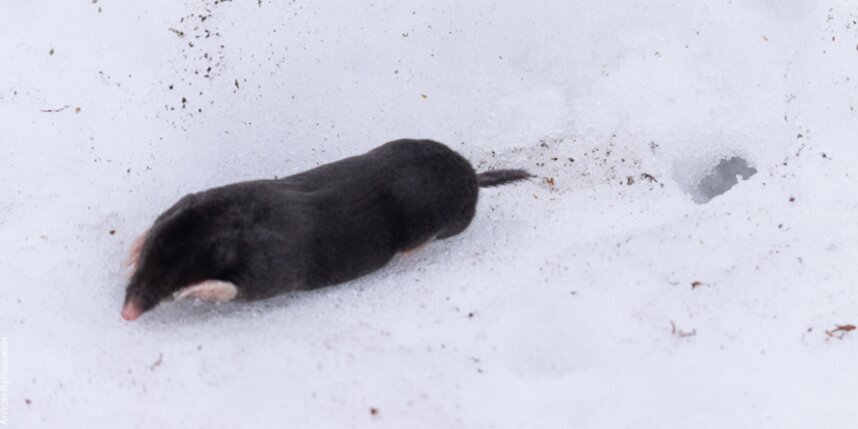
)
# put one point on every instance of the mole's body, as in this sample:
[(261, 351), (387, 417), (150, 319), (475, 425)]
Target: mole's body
[(328, 225)]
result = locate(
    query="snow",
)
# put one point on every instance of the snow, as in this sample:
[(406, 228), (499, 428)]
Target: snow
[(601, 295)]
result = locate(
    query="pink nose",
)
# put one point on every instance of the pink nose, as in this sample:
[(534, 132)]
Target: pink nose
[(131, 311)]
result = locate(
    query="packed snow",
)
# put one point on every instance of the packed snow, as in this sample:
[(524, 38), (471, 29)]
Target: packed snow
[(685, 258)]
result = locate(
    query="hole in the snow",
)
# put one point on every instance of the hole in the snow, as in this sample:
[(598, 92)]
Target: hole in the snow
[(721, 178)]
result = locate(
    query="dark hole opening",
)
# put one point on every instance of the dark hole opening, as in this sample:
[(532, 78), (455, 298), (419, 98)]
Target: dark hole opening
[(722, 178)]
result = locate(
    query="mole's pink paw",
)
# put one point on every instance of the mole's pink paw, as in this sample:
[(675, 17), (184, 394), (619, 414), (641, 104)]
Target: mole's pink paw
[(136, 248), (209, 290)]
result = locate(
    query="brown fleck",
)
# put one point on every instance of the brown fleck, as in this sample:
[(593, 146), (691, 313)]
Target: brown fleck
[(680, 333), (630, 180), (424, 96), (28, 401), (840, 331), (791, 199), (112, 231), (550, 182), (695, 284), (649, 177), (157, 362), (373, 411), (55, 110)]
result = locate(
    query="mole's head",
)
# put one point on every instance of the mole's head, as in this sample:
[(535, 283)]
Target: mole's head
[(187, 245)]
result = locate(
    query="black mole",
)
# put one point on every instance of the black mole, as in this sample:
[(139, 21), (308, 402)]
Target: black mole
[(331, 224)]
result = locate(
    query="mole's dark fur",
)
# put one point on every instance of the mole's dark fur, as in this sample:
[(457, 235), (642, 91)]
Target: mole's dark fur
[(317, 228)]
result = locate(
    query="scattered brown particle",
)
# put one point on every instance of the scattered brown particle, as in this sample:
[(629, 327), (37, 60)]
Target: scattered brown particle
[(550, 182), (424, 96), (112, 231), (696, 284), (630, 180), (680, 333), (840, 331), (157, 362), (649, 177), (471, 315), (28, 401), (178, 32), (373, 411), (791, 199), (55, 110), (77, 109)]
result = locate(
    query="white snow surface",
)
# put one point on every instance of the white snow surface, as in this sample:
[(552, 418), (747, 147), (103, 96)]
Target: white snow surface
[(581, 299)]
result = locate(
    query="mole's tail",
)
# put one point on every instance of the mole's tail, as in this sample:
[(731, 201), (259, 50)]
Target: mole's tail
[(500, 177)]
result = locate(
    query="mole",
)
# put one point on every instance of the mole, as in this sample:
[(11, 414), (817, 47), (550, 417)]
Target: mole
[(331, 224)]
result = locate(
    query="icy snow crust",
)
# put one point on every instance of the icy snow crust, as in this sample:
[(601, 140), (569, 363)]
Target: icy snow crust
[(598, 296)]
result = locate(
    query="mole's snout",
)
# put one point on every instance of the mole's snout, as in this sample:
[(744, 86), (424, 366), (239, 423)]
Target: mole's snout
[(135, 305), (131, 310)]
